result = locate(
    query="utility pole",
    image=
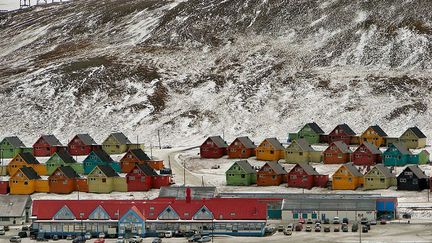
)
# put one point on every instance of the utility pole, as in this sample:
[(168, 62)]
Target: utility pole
[(202, 181), (151, 151), (158, 134), (184, 173)]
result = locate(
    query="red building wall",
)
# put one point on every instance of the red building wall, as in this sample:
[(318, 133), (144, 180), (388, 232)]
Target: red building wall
[(210, 150), (161, 180), (365, 158), (239, 151), (332, 156), (77, 147), (138, 182), (4, 187), (81, 185), (43, 149), (61, 184), (300, 179), (321, 180)]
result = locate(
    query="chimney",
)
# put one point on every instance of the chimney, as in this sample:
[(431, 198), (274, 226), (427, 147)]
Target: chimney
[(188, 195)]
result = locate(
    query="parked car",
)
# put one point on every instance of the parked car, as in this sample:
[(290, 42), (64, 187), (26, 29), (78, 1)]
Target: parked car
[(168, 234), (317, 228), (354, 227), (368, 225), (326, 228), (363, 220), (326, 221), (345, 220), (79, 239), (194, 238), (406, 216), (161, 234), (100, 240), (309, 221), (214, 167), (383, 221), (290, 226), (288, 231), (205, 239), (25, 228), (365, 229), (102, 235), (15, 239), (135, 239), (345, 227), (157, 240), (69, 237), (336, 229), (308, 229), (280, 228), (87, 236), (120, 239), (336, 220), (55, 237), (6, 227), (317, 221), (2, 232), (373, 222), (299, 227), (22, 234)]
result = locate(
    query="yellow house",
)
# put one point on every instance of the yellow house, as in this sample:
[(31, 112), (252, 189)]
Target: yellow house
[(23, 182), (347, 177), (26, 159), (413, 138), (374, 135), (270, 150), (101, 179)]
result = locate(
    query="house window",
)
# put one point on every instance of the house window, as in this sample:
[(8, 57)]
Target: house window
[(340, 156), (243, 176), (349, 179), (293, 177), (301, 153), (408, 173), (415, 181), (274, 177), (382, 180), (131, 178), (25, 182), (65, 182), (103, 180), (271, 152), (402, 180)]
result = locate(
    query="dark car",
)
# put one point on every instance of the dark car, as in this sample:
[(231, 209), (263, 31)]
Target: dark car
[(299, 227), (25, 228), (344, 227), (365, 229), (40, 237), (354, 227), (363, 220), (194, 238), (383, 221), (326, 228), (309, 221), (188, 234), (6, 228), (345, 220), (157, 240), (368, 225), (22, 234), (326, 221), (161, 234), (79, 239)]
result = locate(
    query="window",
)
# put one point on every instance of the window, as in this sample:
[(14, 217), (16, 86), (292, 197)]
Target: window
[(65, 182), (26, 182), (243, 176), (274, 177), (301, 153), (415, 181), (349, 179), (402, 180), (340, 156), (271, 152), (382, 180), (293, 177), (408, 173), (103, 180)]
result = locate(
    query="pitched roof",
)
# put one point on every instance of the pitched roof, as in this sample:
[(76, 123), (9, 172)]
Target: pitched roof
[(140, 154), (417, 171), (219, 141), (15, 142), (14, 205), (86, 139), (68, 172), (103, 155), (317, 129), (107, 170), (244, 164), (386, 171), (246, 142), (303, 144), (30, 173), (342, 147), (354, 171), (379, 131), (51, 140), (307, 168), (121, 138), (417, 132), (402, 148), (371, 147), (276, 167), (29, 158), (275, 143), (149, 171), (346, 129), (65, 156)]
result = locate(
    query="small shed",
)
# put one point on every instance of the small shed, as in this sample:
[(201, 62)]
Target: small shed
[(213, 147)]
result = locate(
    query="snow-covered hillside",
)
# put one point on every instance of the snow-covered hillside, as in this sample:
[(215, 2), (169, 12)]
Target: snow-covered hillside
[(193, 68)]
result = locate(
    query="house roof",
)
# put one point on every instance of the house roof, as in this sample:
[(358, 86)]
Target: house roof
[(352, 169), (68, 172), (29, 158), (244, 164), (179, 192), (379, 131), (371, 147), (103, 155), (402, 148), (15, 142), (329, 204), (121, 138), (307, 168), (342, 147), (107, 170), (65, 156), (147, 170), (218, 141), (276, 167), (30, 173), (346, 129), (86, 139), (303, 144), (384, 170), (14, 205), (246, 142), (140, 154), (51, 140), (417, 132), (317, 129), (417, 171), (275, 143)]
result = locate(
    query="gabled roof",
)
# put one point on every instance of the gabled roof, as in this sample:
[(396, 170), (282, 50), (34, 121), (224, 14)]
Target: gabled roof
[(417, 132), (246, 167), (29, 172), (147, 170), (372, 148), (86, 139), (352, 169), (120, 137), (107, 170), (68, 172), (218, 141), (14, 205), (342, 147), (384, 170), (141, 155), (29, 158), (378, 130), (51, 140), (15, 142), (65, 156), (179, 192), (402, 148), (246, 142), (303, 144), (317, 129), (346, 129), (307, 168), (417, 171), (276, 167), (275, 143), (103, 155)]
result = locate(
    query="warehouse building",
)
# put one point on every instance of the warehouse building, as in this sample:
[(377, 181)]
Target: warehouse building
[(14, 209)]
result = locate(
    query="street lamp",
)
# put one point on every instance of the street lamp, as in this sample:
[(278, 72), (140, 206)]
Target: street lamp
[(81, 217), (360, 215)]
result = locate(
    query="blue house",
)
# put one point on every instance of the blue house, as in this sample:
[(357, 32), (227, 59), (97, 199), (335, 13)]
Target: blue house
[(398, 155), (132, 223), (99, 157)]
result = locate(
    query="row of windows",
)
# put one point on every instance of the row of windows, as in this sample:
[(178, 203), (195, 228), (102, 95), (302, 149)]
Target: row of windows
[(242, 175)]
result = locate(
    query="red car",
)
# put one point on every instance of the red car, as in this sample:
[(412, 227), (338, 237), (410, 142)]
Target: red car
[(302, 221), (99, 241)]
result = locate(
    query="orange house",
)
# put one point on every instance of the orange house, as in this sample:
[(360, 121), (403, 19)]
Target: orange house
[(241, 147), (63, 180), (374, 135), (337, 153), (347, 177), (26, 159), (271, 174), (82, 185), (270, 149), (137, 156), (23, 181)]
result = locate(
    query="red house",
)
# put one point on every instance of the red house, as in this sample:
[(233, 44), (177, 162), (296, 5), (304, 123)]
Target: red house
[(366, 154), (4, 187), (337, 153), (47, 145), (140, 178), (342, 132), (213, 147), (241, 147), (162, 180), (271, 174), (82, 144), (304, 175)]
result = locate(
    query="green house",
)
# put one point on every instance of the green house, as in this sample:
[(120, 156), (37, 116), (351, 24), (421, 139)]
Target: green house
[(311, 132), (11, 146), (423, 157), (116, 143), (379, 177), (241, 173), (300, 151), (63, 158), (101, 179)]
